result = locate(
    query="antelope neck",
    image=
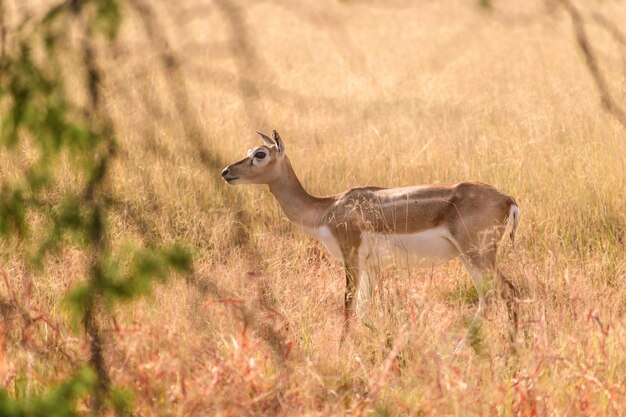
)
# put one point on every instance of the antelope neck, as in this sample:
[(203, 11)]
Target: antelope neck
[(299, 206)]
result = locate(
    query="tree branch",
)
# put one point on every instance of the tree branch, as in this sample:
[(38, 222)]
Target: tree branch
[(608, 102)]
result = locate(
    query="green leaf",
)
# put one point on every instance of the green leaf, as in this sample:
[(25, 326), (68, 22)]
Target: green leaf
[(59, 402), (12, 213), (108, 18), (122, 401), (77, 301), (179, 258)]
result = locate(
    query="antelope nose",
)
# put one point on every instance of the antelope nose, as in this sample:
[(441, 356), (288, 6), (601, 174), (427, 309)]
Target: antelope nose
[(224, 172)]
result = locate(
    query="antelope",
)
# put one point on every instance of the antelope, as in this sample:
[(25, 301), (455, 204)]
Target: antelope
[(369, 227)]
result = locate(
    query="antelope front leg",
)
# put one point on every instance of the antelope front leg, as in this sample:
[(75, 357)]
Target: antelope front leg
[(351, 263)]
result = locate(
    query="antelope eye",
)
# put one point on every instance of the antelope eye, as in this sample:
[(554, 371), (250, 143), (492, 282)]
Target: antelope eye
[(259, 155)]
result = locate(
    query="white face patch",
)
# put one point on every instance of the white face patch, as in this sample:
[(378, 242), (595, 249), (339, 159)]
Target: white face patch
[(260, 156)]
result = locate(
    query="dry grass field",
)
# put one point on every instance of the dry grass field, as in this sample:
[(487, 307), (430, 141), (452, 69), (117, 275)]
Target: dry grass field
[(387, 93)]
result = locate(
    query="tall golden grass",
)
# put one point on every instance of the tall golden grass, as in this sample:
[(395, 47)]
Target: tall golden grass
[(363, 93)]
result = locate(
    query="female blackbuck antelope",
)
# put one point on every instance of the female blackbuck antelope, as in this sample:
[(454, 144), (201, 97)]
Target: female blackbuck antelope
[(370, 227)]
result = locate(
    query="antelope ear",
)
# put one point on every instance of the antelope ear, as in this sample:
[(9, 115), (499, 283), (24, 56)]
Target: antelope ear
[(266, 139), (280, 146)]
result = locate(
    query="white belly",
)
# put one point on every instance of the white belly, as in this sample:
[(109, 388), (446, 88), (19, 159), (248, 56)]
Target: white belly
[(423, 249)]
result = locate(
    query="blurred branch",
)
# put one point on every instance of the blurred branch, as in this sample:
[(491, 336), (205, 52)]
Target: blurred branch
[(322, 18), (266, 332), (194, 132), (610, 27), (517, 20), (177, 85), (99, 207), (247, 60), (3, 31), (608, 102), (39, 104), (336, 107)]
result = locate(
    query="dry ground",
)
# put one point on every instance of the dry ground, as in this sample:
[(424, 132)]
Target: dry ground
[(383, 93)]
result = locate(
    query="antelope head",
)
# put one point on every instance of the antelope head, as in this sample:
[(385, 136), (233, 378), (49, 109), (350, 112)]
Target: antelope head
[(262, 164)]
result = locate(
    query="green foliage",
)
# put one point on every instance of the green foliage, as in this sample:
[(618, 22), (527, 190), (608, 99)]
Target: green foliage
[(39, 115), (465, 293), (381, 410), (39, 108), (12, 212), (476, 337), (59, 402), (122, 401), (116, 283), (108, 17)]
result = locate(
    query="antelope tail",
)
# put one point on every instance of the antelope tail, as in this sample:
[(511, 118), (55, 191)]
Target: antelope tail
[(513, 221)]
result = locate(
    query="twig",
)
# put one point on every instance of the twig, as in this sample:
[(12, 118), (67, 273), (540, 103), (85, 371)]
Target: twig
[(177, 85), (584, 45), (610, 27), (3, 31)]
